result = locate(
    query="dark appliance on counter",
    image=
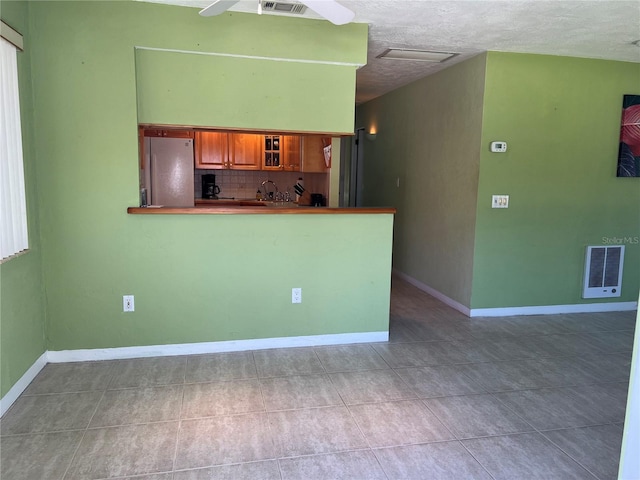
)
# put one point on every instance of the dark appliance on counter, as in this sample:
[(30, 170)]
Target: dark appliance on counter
[(209, 188), (317, 200)]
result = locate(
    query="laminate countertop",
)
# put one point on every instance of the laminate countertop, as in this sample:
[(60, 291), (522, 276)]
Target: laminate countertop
[(227, 209)]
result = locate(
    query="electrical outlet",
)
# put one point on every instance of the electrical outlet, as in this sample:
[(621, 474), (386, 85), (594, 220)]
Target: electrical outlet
[(127, 303), (500, 201), (296, 295)]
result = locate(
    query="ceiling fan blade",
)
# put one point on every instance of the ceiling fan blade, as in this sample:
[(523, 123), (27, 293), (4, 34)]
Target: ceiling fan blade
[(331, 10), (217, 7)]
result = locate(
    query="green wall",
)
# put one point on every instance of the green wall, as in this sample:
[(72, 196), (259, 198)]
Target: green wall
[(246, 92), (429, 138), (212, 278), (22, 314), (561, 119), (195, 278), (254, 72)]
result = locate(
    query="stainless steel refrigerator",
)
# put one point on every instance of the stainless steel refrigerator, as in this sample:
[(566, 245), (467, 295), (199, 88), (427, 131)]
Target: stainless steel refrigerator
[(170, 171)]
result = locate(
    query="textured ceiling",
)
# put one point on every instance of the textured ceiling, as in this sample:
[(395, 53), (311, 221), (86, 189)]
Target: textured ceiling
[(603, 29)]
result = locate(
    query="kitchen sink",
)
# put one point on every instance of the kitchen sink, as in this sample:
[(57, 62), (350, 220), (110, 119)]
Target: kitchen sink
[(248, 202), (280, 204), (266, 203)]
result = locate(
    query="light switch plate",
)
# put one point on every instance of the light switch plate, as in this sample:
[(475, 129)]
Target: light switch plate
[(128, 304), (500, 201)]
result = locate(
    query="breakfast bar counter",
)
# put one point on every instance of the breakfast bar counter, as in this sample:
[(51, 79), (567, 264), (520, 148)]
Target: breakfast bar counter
[(260, 210)]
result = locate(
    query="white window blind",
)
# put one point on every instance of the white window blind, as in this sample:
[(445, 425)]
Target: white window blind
[(13, 209)]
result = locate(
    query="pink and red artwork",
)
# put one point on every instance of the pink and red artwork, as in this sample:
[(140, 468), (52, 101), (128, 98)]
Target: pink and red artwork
[(629, 154)]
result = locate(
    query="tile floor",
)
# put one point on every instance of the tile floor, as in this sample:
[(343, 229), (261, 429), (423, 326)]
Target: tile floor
[(446, 398)]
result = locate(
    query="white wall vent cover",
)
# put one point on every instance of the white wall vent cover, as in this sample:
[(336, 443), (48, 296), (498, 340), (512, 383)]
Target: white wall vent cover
[(284, 7), (603, 272)]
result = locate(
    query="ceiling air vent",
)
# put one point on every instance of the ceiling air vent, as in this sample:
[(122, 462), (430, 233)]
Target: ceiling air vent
[(416, 55), (283, 7)]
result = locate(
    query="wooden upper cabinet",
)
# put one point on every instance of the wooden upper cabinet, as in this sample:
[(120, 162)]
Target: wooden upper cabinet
[(217, 150), (141, 149), (179, 133), (212, 150), (152, 132), (313, 153), (171, 133), (292, 152), (245, 151), (281, 152), (272, 152)]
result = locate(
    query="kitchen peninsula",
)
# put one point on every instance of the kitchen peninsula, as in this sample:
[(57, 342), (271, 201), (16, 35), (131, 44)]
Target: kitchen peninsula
[(202, 283), (236, 266), (245, 210)]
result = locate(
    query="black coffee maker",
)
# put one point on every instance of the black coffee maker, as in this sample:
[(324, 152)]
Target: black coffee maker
[(209, 188)]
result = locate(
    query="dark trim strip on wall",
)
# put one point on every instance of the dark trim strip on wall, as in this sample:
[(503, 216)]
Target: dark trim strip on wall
[(11, 35)]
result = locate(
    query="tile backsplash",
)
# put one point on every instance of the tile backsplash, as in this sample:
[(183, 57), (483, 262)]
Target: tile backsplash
[(241, 184)]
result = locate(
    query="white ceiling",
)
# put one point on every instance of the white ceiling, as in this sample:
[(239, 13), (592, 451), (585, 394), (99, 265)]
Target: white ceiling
[(603, 29)]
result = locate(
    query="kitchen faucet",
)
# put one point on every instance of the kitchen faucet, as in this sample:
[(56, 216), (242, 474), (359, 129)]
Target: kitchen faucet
[(269, 195)]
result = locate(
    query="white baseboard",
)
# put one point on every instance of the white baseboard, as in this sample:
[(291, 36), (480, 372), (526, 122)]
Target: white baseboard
[(214, 347), (509, 311), (181, 349), (554, 309), (433, 292), (21, 385)]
